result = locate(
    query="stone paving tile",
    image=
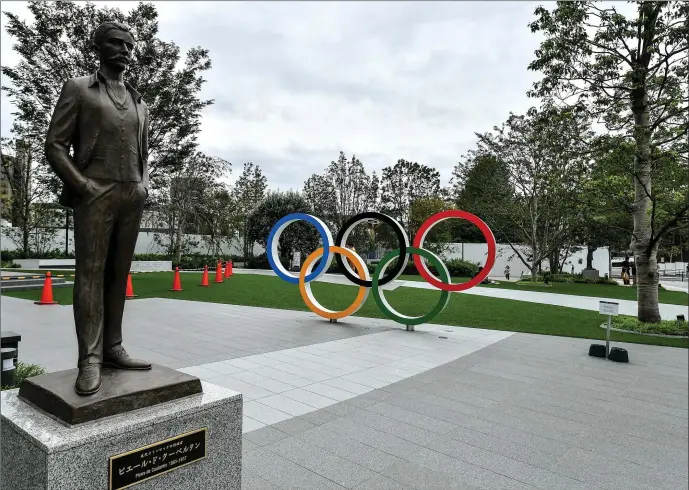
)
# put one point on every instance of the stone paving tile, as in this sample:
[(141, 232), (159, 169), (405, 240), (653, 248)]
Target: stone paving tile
[(294, 425), (504, 465), (263, 413), (527, 439), (251, 481), (319, 417), (178, 333), (616, 473), (284, 473), (322, 462), (417, 476), (248, 446), (287, 405), (499, 445), (528, 411), (409, 417), (403, 430), (380, 482), (350, 449), (372, 437), (249, 424), (264, 436)]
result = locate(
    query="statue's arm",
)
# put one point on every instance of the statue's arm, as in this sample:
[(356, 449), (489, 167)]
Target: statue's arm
[(60, 133)]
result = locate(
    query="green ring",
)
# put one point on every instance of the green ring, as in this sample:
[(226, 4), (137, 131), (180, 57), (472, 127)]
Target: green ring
[(388, 310)]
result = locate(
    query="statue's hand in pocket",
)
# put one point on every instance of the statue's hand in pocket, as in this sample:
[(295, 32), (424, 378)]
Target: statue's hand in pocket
[(94, 191)]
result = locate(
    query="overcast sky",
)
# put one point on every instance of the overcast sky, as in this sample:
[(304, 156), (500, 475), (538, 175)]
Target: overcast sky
[(295, 83)]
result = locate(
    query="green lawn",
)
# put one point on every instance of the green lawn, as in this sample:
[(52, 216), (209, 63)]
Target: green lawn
[(595, 290), (462, 310)]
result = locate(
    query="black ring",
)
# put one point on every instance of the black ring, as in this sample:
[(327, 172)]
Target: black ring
[(401, 238)]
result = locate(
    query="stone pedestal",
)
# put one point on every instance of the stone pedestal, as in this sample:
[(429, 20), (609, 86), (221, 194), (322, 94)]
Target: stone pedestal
[(590, 274), (142, 447)]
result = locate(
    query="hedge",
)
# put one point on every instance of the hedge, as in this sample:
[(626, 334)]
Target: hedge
[(457, 268)]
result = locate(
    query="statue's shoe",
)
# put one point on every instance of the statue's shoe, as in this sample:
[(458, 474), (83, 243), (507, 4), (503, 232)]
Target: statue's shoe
[(88, 380), (121, 360)]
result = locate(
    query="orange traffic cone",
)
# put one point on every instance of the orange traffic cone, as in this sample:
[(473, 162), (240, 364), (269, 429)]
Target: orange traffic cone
[(228, 268), (130, 289), (177, 282), (218, 272), (47, 294), (204, 278)]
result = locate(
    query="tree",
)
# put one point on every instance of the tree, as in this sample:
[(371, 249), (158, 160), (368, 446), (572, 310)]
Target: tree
[(345, 189), (442, 233), (297, 237), (249, 191), (57, 46), (217, 224), (544, 155), (405, 183), (485, 185), (33, 223), (631, 74), (186, 200)]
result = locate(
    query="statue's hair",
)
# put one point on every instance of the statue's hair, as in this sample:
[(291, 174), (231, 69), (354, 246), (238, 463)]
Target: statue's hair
[(101, 31)]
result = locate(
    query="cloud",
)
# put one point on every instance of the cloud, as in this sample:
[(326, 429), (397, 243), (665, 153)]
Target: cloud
[(295, 82)]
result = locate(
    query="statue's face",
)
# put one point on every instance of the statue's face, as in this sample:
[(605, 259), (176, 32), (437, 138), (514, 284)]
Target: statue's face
[(116, 49)]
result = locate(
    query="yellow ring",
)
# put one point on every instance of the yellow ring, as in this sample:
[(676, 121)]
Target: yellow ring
[(310, 300)]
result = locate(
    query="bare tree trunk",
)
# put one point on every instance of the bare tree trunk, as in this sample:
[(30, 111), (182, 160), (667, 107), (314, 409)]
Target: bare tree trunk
[(178, 243), (644, 249)]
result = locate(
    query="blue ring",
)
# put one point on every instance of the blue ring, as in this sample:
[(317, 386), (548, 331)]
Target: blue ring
[(326, 247)]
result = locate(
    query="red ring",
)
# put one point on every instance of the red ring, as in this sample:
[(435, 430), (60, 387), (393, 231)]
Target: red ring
[(441, 216)]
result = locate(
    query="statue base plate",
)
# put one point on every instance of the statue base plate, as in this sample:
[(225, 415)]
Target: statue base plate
[(121, 391)]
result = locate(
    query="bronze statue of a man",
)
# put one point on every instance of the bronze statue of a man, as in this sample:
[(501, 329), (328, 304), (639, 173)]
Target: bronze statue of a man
[(106, 182)]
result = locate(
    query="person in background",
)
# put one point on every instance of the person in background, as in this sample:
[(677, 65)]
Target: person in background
[(507, 272), (625, 270)]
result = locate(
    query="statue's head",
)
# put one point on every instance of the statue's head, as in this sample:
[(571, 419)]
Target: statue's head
[(114, 43)]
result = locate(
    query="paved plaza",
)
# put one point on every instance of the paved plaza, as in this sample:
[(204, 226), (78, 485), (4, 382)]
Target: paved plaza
[(363, 404)]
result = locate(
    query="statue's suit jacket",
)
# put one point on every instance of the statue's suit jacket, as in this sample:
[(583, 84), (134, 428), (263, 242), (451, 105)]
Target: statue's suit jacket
[(76, 123)]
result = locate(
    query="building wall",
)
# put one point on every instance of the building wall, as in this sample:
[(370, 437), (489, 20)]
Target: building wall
[(472, 252), (145, 244), (477, 253)]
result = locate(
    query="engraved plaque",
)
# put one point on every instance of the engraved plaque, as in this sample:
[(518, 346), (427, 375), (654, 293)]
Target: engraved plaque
[(156, 459)]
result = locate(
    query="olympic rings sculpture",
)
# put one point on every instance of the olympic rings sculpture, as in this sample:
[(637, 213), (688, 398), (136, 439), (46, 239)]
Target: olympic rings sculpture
[(381, 276)]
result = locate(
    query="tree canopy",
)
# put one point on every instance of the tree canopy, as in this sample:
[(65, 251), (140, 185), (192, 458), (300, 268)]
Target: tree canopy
[(57, 46)]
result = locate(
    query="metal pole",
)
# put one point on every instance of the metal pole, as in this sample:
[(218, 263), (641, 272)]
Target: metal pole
[(607, 337)]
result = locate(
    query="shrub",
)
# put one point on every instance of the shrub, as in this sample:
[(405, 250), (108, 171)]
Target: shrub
[(456, 268), (258, 262), (572, 278), (11, 255), (24, 371), (665, 327)]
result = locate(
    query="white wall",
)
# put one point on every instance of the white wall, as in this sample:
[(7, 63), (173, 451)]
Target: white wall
[(144, 244), (477, 252), (473, 252)]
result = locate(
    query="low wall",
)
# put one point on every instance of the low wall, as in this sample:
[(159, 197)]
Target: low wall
[(145, 243), (137, 265), (477, 253), (151, 265), (45, 263)]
